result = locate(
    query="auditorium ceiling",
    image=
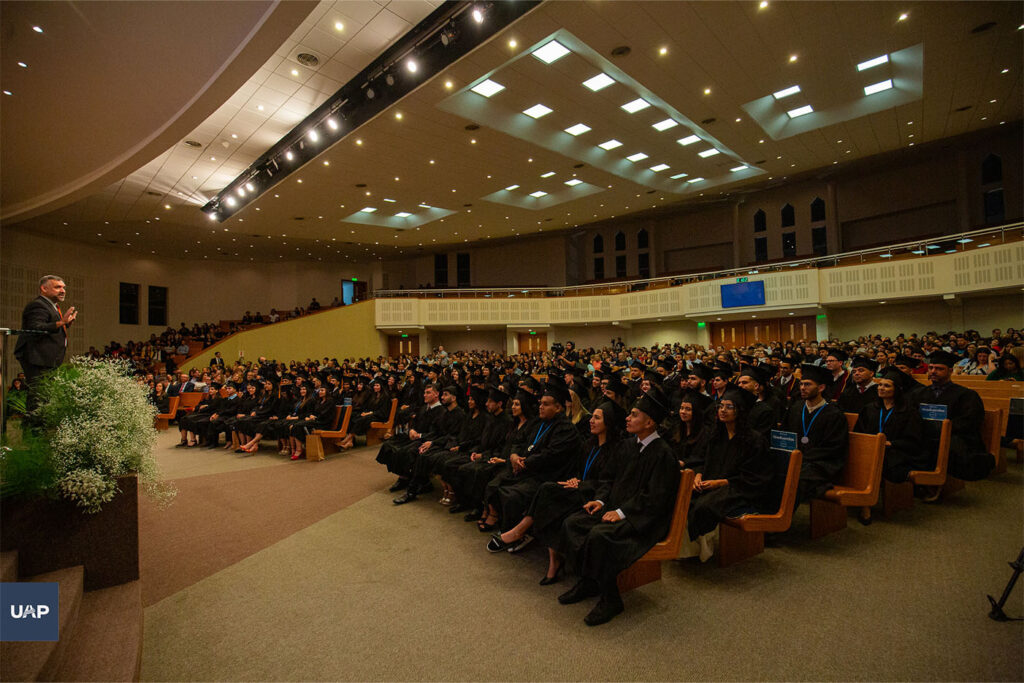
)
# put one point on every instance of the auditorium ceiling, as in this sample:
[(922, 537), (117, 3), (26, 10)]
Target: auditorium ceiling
[(710, 99)]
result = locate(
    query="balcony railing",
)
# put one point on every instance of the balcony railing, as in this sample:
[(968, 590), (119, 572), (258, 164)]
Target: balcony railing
[(945, 244)]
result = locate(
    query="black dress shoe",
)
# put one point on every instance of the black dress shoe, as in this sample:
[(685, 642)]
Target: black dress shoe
[(521, 544), (457, 508), (473, 515), (548, 580), (584, 588), (407, 497), (399, 485), (183, 444), (604, 611), (496, 545)]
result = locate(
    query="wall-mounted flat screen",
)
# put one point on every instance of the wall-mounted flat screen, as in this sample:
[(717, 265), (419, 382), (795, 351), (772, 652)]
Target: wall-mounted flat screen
[(743, 294)]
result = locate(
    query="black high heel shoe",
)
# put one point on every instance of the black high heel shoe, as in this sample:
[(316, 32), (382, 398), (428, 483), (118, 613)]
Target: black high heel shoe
[(548, 580)]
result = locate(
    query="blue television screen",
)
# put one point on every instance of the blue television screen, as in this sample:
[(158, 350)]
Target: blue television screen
[(743, 294)]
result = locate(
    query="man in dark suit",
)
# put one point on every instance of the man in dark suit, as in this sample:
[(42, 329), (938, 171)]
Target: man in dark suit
[(38, 353)]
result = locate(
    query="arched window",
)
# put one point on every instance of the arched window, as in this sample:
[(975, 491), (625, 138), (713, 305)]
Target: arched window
[(620, 241), (598, 244), (991, 170), (788, 216), (760, 221), (817, 210), (642, 239)]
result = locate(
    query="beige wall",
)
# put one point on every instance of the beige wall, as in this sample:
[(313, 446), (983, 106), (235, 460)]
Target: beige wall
[(669, 332), (198, 291), (465, 340), (340, 333), (980, 313)]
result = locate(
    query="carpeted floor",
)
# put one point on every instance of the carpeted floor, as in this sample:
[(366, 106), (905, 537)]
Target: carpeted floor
[(291, 573)]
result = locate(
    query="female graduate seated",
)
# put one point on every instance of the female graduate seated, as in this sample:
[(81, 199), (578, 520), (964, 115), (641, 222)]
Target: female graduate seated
[(902, 425), (246, 402), (733, 466), (376, 409), (316, 414), (688, 432), (556, 500), (266, 408), (280, 429), (578, 415)]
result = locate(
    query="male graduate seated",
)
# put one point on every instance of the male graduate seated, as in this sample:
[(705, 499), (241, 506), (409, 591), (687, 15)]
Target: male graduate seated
[(764, 414), (968, 458), (822, 434), (398, 452), (447, 428), (862, 390), (834, 363), (628, 516)]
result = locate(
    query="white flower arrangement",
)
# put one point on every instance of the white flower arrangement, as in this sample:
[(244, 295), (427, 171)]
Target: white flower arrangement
[(98, 423)]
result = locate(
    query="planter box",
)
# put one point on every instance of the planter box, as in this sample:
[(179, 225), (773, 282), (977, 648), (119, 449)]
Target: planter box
[(53, 534)]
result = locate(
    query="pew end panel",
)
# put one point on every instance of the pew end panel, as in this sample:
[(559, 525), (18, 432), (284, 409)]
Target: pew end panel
[(162, 422), (324, 442), (860, 485), (378, 429)]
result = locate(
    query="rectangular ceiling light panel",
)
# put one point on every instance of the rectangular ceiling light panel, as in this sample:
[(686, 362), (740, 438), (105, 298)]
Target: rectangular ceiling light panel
[(574, 182), (800, 111), (538, 194), (878, 87), (610, 144), (708, 153), (639, 156), (578, 129), (537, 111), (786, 92), (487, 88), (551, 52), (599, 82), (665, 125), (659, 168), (688, 140), (639, 104), (877, 61)]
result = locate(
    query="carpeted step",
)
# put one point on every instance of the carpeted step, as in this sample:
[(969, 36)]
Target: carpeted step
[(40, 661), (9, 566), (107, 643)]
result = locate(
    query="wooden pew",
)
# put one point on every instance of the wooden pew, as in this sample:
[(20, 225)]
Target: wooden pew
[(323, 442), (162, 422), (189, 400), (378, 429), (992, 430), (741, 538), (860, 486), (648, 568), (896, 497)]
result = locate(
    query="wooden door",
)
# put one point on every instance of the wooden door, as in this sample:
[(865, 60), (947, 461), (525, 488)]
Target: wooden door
[(399, 345), (759, 331), (728, 334), (794, 329), (532, 342)]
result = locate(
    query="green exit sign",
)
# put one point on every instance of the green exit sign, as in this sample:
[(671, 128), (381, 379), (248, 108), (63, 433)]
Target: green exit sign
[(404, 336), (702, 324), (742, 279), (533, 333), (355, 279)]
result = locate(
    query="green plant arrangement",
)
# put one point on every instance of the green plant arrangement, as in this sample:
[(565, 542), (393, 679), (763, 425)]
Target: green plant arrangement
[(93, 424)]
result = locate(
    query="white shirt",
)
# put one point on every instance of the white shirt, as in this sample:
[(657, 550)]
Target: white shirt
[(644, 443)]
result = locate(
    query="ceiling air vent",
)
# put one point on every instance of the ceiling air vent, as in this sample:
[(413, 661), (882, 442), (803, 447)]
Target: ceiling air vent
[(706, 122), (981, 28), (963, 108), (151, 193), (193, 143), (621, 51), (298, 218), (472, 126), (360, 184), (306, 59)]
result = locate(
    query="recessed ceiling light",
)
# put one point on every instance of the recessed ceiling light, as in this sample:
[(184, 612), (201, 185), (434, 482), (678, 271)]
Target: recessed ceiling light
[(230, 201), (574, 182), (478, 16), (991, 101), (878, 87), (738, 168), (314, 136), (763, 4), (663, 51), (547, 175), (359, 141), (537, 111), (411, 66), (513, 43), (332, 124), (551, 52), (599, 82), (402, 214), (707, 91), (708, 153), (904, 16), (295, 72), (639, 156), (873, 62), (694, 180), (800, 111), (610, 144), (664, 125), (449, 85), (37, 29), (368, 209), (338, 26), (677, 176), (659, 168), (259, 107), (538, 194), (786, 92), (636, 105), (487, 88), (23, 65), (512, 187), (688, 140), (792, 58), (425, 206), (390, 201), (8, 92), (398, 115), (289, 155), (1004, 71), (578, 129)]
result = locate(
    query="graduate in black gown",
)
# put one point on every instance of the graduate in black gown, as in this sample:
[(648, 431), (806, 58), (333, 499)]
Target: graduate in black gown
[(763, 416), (734, 469), (628, 515), (454, 451), (496, 431), (267, 406), (318, 415), (822, 432), (689, 429), (447, 427), (398, 452), (376, 408), (556, 500), (890, 413), (860, 390), (553, 448)]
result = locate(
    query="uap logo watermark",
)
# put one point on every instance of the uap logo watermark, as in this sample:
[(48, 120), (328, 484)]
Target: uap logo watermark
[(29, 611)]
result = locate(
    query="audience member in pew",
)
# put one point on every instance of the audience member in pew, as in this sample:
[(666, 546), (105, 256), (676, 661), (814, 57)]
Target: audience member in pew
[(210, 427), (377, 408), (265, 409), (1008, 367), (764, 415), (834, 360), (627, 516), (553, 447), (281, 428), (822, 434), (398, 452), (247, 399), (497, 428), (861, 391), (189, 423), (578, 415), (473, 477), (734, 471), (317, 414), (968, 459), (448, 425), (556, 500), (454, 448), (890, 413), (688, 431)]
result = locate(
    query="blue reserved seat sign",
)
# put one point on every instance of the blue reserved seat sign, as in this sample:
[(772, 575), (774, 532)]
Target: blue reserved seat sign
[(783, 441), (934, 411), (29, 611)]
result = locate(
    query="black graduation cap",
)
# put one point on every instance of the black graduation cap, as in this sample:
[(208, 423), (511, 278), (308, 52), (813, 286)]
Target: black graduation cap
[(748, 358), (654, 404), (553, 371), (943, 358), (555, 388), (451, 389), (528, 401), (699, 401), (616, 385), (756, 373), (653, 377), (723, 372), (815, 373), (531, 383), (614, 415), (479, 396), (702, 371), (744, 400), (901, 379), (906, 361), (864, 362), (793, 358), (498, 395), (838, 354), (667, 364)]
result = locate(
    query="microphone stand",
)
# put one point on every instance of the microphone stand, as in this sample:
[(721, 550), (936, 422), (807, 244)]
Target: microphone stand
[(6, 332), (997, 613)]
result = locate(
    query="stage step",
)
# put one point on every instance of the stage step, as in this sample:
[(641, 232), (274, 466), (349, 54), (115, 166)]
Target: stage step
[(40, 661), (107, 643)]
